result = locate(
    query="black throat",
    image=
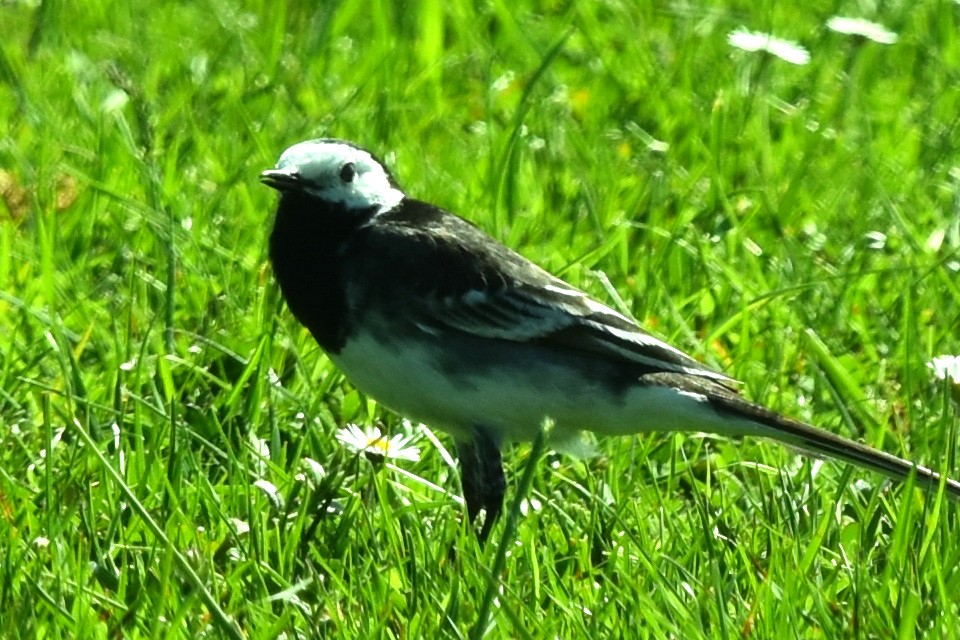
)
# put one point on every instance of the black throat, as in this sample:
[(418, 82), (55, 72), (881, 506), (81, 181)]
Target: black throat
[(306, 248)]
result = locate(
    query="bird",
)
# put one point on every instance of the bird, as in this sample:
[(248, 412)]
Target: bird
[(441, 323)]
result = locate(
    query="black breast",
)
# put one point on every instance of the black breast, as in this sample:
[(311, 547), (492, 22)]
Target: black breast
[(307, 249)]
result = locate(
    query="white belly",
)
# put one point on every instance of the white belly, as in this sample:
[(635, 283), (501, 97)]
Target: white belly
[(514, 400)]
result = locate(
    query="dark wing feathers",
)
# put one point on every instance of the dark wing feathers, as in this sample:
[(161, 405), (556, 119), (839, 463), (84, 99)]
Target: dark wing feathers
[(468, 282)]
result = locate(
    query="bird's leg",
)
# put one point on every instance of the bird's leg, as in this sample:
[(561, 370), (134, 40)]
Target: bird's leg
[(481, 474)]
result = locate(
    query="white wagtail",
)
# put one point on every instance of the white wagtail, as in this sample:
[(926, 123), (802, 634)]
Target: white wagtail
[(441, 323)]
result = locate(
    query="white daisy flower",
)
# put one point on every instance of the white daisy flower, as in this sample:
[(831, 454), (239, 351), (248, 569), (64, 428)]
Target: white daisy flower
[(374, 443), (946, 367), (786, 50), (863, 28)]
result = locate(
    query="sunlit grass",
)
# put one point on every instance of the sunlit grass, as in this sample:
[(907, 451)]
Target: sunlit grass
[(170, 465)]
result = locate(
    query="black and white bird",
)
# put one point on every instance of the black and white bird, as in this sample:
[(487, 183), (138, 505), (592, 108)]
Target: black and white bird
[(441, 323)]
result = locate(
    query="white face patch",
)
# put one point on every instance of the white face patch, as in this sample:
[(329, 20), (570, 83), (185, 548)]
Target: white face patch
[(335, 171)]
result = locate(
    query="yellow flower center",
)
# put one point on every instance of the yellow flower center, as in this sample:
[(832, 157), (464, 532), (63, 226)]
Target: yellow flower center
[(381, 444)]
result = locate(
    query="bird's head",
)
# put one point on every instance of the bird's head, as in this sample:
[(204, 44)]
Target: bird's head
[(336, 172)]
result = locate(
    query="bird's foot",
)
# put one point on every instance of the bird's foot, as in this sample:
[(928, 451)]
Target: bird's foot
[(482, 477)]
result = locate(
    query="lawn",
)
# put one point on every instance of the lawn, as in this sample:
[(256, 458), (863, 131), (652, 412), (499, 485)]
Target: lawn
[(169, 464)]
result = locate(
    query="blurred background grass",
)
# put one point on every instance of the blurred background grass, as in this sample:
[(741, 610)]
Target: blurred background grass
[(795, 225)]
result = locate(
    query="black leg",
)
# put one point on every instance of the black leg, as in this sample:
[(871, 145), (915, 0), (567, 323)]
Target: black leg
[(481, 474)]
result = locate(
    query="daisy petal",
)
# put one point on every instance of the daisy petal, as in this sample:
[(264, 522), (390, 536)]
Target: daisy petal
[(373, 442), (946, 367), (786, 50), (863, 28)]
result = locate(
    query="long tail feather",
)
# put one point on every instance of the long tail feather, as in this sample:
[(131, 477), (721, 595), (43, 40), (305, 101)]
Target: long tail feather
[(763, 422)]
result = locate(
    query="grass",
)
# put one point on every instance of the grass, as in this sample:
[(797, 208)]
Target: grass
[(163, 418)]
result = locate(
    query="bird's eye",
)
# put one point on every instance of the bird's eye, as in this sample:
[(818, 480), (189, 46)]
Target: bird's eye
[(348, 172)]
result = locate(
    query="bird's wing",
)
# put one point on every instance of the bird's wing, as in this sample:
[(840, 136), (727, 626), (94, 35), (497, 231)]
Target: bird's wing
[(556, 315), (470, 283)]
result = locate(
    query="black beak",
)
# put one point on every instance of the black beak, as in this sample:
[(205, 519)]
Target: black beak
[(280, 179)]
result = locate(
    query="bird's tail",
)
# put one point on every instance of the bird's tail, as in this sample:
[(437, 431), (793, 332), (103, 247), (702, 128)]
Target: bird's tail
[(820, 443), (760, 421)]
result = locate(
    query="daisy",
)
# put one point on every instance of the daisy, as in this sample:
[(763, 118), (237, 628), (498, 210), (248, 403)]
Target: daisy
[(946, 368), (375, 444), (863, 28), (755, 41)]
